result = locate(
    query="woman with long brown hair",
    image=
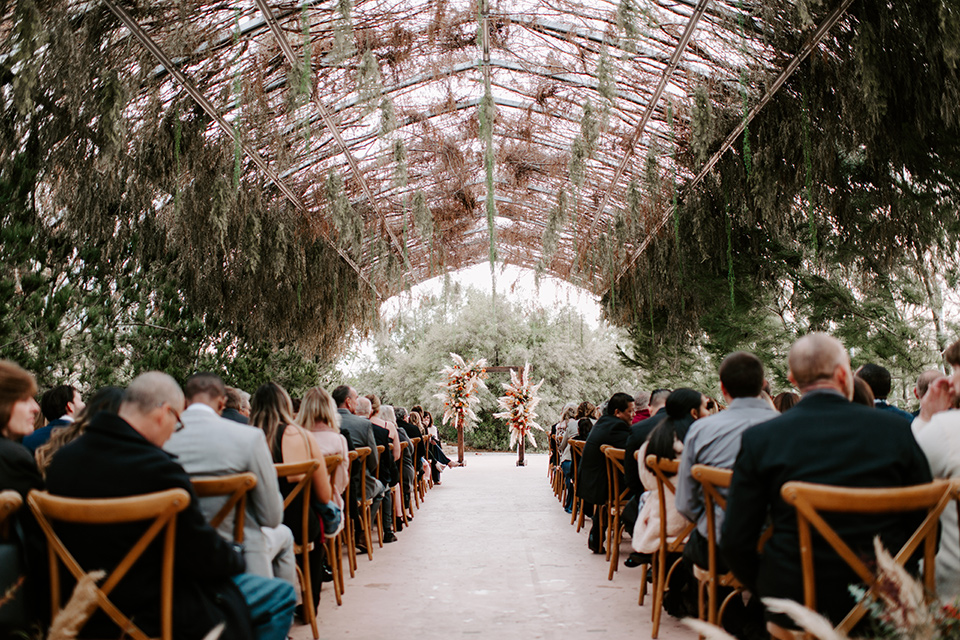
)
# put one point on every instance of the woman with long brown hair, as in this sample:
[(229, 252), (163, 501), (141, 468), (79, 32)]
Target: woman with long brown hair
[(271, 410)]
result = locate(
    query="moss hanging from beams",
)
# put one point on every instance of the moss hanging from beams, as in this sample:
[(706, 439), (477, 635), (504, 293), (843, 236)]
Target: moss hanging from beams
[(369, 83)]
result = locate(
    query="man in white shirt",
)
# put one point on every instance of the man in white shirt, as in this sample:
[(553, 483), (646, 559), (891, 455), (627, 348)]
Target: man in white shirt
[(937, 430), (209, 445)]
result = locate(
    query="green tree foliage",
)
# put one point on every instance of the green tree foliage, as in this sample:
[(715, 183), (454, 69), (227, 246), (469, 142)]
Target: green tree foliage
[(577, 362)]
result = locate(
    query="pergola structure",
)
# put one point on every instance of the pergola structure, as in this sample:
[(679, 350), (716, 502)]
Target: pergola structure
[(406, 138)]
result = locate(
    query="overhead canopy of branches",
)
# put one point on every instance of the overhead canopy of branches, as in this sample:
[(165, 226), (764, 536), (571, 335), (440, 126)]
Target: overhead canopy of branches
[(282, 172)]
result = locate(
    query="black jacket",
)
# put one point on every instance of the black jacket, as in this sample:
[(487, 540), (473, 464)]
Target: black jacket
[(592, 475), (112, 460), (639, 432), (389, 474), (823, 439)]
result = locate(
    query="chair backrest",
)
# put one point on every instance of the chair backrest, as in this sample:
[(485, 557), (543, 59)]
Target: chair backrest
[(235, 487), (305, 471), (614, 458), (10, 502), (362, 453), (576, 452), (664, 470), (332, 461), (161, 508), (380, 450), (810, 500), (710, 479)]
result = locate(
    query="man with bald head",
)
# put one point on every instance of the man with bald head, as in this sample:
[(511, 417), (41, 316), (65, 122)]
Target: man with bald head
[(824, 439), (121, 455)]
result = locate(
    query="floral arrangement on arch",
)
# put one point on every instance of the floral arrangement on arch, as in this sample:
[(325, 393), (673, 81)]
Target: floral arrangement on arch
[(518, 406), (459, 389)]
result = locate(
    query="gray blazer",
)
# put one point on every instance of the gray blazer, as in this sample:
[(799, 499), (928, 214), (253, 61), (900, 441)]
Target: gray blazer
[(209, 445), (361, 434)]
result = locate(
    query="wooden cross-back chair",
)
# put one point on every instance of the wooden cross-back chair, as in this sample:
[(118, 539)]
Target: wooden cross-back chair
[(235, 487), (576, 452), (365, 503), (379, 515), (160, 509), (712, 479), (811, 500), (616, 499), (663, 470), (334, 543), (289, 471), (10, 502), (349, 529)]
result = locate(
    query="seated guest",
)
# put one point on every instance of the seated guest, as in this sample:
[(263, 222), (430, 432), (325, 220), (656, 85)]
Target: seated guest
[(209, 445), (272, 412), (879, 380), (18, 472), (107, 399), (387, 472), (641, 403), (923, 383), (360, 431), (404, 462), (319, 416), (862, 393), (567, 428), (60, 407), (639, 432), (715, 441), (121, 455), (824, 439), (784, 401), (940, 441), (612, 429), (232, 409), (684, 406), (404, 429)]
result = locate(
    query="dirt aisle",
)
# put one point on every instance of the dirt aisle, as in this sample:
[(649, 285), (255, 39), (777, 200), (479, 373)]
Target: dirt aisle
[(491, 554)]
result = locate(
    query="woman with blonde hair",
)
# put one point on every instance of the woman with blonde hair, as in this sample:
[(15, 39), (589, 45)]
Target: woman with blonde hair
[(318, 415)]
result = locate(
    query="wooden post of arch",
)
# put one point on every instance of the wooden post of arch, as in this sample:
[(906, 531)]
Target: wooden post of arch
[(460, 439), (520, 461)]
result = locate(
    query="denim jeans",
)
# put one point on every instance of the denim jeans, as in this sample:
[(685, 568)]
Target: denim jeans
[(567, 468), (271, 602)]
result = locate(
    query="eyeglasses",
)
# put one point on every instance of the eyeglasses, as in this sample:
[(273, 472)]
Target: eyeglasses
[(176, 416)]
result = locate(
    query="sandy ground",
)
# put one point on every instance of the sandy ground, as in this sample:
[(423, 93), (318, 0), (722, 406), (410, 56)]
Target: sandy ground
[(491, 553)]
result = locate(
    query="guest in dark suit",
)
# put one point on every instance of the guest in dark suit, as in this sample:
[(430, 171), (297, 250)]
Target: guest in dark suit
[(878, 378), (121, 455), (232, 409), (612, 429), (360, 432), (60, 407), (823, 439), (639, 432)]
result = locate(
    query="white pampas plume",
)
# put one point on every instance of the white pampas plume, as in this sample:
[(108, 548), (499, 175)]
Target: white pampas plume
[(216, 632), (81, 606), (707, 630), (809, 620)]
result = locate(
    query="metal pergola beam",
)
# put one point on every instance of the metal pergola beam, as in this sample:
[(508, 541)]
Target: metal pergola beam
[(824, 28), (647, 114), (329, 122), (211, 111)]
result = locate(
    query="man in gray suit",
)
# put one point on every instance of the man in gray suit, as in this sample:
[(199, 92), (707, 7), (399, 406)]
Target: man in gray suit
[(209, 445), (360, 432)]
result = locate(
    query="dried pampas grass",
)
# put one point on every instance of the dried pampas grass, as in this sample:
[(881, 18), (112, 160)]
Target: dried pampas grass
[(81, 606), (808, 620)]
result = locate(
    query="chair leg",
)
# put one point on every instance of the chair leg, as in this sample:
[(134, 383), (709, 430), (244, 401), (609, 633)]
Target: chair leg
[(658, 589), (309, 611), (334, 562), (574, 505), (380, 525), (616, 539), (643, 582), (367, 533), (351, 533)]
